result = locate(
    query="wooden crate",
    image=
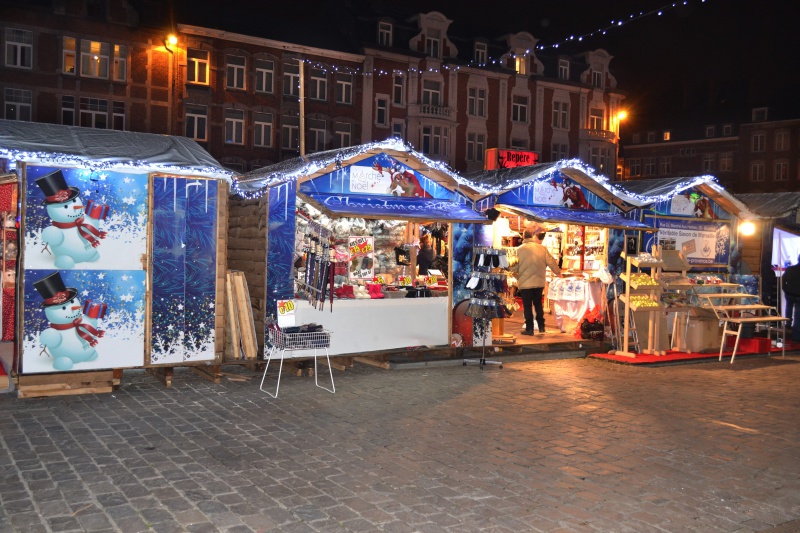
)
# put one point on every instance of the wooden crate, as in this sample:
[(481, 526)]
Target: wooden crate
[(67, 383)]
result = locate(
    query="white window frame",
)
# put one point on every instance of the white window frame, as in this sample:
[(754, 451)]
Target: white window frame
[(291, 81), (93, 111), (433, 47), (382, 110), (119, 70), (290, 137), (480, 53), (262, 130), (476, 146), (19, 48), (727, 129), (94, 59), (435, 140), (651, 136), (316, 135), (649, 166), (757, 171), (344, 89), (18, 102), (665, 166), (560, 115), (563, 69), (634, 167), (118, 121), (69, 52), (234, 126), (431, 92), (781, 140), (596, 118), (265, 76), (67, 110), (385, 33), (343, 134), (759, 142), (559, 151), (599, 159), (197, 117), (597, 78), (726, 161), (519, 109), (781, 170), (476, 102), (709, 162), (398, 90), (318, 89), (399, 129), (235, 68), (197, 66), (711, 131)]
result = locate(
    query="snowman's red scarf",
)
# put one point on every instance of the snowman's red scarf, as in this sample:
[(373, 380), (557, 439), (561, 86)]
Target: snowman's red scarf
[(87, 231), (86, 331)]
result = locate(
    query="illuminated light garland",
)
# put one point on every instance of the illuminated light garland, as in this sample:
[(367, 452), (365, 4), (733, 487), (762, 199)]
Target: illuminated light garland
[(617, 23), (95, 165)]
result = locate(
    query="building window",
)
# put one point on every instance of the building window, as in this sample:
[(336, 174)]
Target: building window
[(382, 111), (94, 113), (291, 79), (760, 114), (384, 34), (265, 73), (635, 167), (710, 131), (559, 151), (480, 54), (319, 85), (398, 129), (665, 164), (726, 161), (316, 135), (68, 110), (636, 138), (434, 140), (519, 109), (476, 102), (18, 104), (234, 72), (597, 78), (563, 69), (781, 141), (521, 65), (432, 46), (708, 162), (344, 89), (234, 126), (19, 48), (560, 115), (290, 133), (781, 170), (196, 122), (262, 130), (599, 157), (342, 131), (431, 92), (94, 59), (759, 141), (596, 119), (69, 55), (118, 116), (757, 172), (651, 136), (649, 166), (197, 66), (476, 146), (519, 144), (727, 129), (398, 90), (666, 135)]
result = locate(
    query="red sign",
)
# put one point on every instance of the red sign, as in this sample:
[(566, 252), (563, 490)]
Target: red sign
[(498, 158)]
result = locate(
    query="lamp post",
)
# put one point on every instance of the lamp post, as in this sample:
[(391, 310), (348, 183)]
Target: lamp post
[(170, 43), (621, 115)]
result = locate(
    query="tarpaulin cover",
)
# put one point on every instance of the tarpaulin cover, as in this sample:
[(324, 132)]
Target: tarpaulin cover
[(576, 216), (98, 149), (395, 207)]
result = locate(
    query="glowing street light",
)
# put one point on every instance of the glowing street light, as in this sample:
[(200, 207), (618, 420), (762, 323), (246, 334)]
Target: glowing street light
[(747, 228)]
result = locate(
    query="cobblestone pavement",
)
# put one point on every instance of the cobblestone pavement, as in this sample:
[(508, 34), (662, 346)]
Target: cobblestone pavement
[(569, 445)]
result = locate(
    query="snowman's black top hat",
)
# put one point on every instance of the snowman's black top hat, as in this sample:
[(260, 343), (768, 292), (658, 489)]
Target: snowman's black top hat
[(55, 188), (53, 290)]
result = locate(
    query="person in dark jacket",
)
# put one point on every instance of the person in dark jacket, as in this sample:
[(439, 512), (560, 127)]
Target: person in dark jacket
[(426, 254), (790, 283)]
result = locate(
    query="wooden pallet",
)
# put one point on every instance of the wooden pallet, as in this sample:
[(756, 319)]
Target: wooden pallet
[(67, 383), (241, 329)]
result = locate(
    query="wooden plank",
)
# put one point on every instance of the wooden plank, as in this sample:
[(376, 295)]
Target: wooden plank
[(162, 374), (212, 373), (37, 386), (247, 327), (233, 320), (373, 362)]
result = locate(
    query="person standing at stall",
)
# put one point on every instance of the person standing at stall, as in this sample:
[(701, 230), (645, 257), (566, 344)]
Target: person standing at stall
[(426, 255), (790, 283), (532, 275)]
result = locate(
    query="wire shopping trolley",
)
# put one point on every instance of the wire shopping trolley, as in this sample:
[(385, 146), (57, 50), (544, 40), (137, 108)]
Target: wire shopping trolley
[(280, 341)]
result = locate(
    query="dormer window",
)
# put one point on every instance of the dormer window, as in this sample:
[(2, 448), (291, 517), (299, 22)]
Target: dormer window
[(666, 135), (760, 114), (711, 131), (432, 45), (480, 54), (521, 65), (563, 69), (597, 78), (385, 31)]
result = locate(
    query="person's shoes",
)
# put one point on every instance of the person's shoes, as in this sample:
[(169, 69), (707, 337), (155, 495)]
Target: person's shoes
[(526, 332)]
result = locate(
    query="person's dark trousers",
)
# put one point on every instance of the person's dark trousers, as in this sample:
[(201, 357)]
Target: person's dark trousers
[(791, 305), (532, 301), (796, 324)]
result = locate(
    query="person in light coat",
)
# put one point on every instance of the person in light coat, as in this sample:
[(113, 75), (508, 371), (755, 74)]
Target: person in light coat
[(531, 276)]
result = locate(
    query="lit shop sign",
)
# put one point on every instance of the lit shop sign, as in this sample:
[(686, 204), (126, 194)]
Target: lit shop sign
[(498, 158)]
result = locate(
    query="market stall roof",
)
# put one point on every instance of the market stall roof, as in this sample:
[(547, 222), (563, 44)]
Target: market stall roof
[(502, 180), (658, 190), (583, 217), (772, 204), (310, 166), (401, 208), (96, 149)]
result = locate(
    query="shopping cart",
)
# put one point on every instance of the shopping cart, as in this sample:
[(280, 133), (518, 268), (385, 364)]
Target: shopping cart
[(282, 342)]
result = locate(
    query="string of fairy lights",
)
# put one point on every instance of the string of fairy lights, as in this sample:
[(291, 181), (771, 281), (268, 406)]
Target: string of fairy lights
[(511, 56)]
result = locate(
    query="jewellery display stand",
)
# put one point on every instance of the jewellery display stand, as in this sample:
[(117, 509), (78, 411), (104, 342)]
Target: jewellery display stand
[(486, 302), (642, 293)]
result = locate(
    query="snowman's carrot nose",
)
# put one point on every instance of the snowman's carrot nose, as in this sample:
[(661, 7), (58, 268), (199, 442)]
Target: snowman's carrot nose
[(74, 307), (77, 207)]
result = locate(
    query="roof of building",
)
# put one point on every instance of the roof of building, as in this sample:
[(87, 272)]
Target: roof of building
[(772, 204), (96, 149)]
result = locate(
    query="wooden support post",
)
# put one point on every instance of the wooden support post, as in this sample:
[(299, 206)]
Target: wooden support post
[(212, 373), (162, 374), (68, 383)]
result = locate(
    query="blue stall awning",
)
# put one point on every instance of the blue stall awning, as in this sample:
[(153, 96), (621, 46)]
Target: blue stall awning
[(575, 216), (403, 208)]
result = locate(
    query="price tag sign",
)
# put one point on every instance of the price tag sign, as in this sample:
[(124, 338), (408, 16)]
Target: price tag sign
[(379, 279), (405, 280), (432, 280), (286, 315)]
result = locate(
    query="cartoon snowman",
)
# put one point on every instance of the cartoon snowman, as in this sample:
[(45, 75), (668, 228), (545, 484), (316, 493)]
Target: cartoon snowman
[(73, 235), (72, 335)]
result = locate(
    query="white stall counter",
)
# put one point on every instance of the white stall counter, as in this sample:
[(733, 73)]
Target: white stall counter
[(359, 326)]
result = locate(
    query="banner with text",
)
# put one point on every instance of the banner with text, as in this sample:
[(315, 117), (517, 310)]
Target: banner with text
[(703, 242)]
